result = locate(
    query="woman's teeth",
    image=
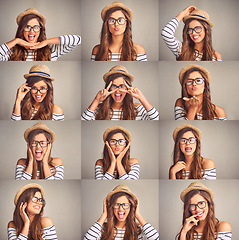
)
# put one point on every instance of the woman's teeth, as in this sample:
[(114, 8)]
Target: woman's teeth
[(188, 149), (118, 96), (195, 37), (200, 214), (121, 215), (38, 98), (31, 37), (38, 153)]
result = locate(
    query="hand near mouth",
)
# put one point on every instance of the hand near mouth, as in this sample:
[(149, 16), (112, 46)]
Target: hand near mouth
[(25, 44), (103, 94), (193, 101), (189, 223), (39, 45)]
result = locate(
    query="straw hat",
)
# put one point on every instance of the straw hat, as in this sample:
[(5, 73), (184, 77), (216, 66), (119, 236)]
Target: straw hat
[(30, 11), (118, 69), (39, 126), (31, 185), (199, 14), (190, 66), (116, 4), (114, 128), (121, 188), (196, 186), (39, 70), (179, 128)]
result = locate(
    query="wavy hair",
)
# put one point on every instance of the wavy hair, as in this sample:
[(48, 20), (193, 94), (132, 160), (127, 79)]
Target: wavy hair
[(36, 229), (211, 227), (105, 111), (132, 229), (128, 52), (188, 45), (208, 108), (20, 53), (45, 110)]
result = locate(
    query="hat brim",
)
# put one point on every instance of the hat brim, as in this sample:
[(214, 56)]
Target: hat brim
[(37, 75), (199, 18), (30, 11), (117, 128)]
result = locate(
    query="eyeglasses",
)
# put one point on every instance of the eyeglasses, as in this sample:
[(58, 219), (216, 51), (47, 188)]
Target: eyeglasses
[(124, 205), (41, 201), (35, 28), (121, 86), (197, 29), (198, 81), (120, 141), (120, 21), (201, 205), (42, 143), (190, 140), (41, 90)]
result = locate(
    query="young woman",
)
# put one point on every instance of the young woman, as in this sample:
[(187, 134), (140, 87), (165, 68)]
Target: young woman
[(28, 222), (115, 102), (199, 221), (116, 42), (197, 36), (195, 103), (121, 209), (187, 160), (31, 44), (116, 162), (39, 164), (34, 100)]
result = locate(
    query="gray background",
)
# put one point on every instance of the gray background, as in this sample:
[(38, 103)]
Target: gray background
[(67, 86), (67, 146), (62, 18), (224, 16), (145, 25)]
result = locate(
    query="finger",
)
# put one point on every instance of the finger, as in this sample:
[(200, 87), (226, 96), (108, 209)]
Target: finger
[(108, 87), (186, 99), (112, 91), (125, 91), (126, 84)]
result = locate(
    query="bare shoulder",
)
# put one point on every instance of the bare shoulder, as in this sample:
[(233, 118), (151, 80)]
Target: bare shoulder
[(139, 49), (22, 161), (46, 222), (208, 163), (218, 55), (95, 49), (179, 102), (136, 105), (220, 112), (99, 162), (57, 161), (11, 224), (224, 227), (57, 109), (133, 161)]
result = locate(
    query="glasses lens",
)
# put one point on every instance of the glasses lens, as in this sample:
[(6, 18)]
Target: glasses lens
[(121, 21), (122, 86), (202, 204), (113, 87), (122, 142), (192, 140), (125, 205), (190, 31), (113, 142), (43, 143), (36, 28), (183, 141), (198, 29), (111, 21), (199, 81), (189, 82), (41, 201)]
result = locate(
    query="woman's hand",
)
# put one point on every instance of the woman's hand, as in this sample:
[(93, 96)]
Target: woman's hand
[(103, 216), (110, 151), (47, 154), (186, 12), (30, 154), (39, 45), (138, 215), (177, 167), (189, 223), (22, 92), (192, 102), (121, 155), (23, 213)]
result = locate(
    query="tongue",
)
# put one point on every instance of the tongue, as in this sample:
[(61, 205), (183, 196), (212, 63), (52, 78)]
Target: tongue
[(118, 97), (31, 38), (38, 154), (121, 216)]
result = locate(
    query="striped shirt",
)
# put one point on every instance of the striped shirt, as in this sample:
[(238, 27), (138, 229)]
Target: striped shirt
[(151, 114), (148, 232), (49, 233), (116, 57), (133, 173), (67, 44), (221, 236), (20, 173), (180, 114), (55, 117), (173, 43), (210, 174)]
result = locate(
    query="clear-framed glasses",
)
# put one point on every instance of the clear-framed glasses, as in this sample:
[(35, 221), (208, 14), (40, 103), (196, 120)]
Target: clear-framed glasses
[(121, 142), (124, 205), (197, 29), (190, 140), (201, 205), (121, 86), (42, 143), (35, 28), (42, 90), (40, 201), (120, 21), (198, 81)]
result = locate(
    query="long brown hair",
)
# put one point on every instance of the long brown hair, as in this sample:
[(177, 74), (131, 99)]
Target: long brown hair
[(188, 50), (20, 53), (196, 166), (128, 52), (106, 157), (45, 110), (35, 230), (211, 227), (132, 229), (105, 111), (208, 108), (38, 165)]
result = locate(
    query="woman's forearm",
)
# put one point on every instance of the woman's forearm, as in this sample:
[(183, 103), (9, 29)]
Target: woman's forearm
[(145, 103)]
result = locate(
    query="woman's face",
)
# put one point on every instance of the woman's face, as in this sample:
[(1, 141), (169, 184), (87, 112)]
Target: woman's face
[(195, 89), (121, 213), (188, 148), (199, 206), (34, 206), (118, 95), (199, 35), (117, 148), (39, 96), (116, 29), (32, 36), (39, 149)]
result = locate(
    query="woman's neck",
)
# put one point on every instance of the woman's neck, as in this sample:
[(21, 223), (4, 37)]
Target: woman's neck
[(116, 45), (199, 46), (189, 160), (117, 105), (201, 226), (120, 224), (36, 105), (31, 217)]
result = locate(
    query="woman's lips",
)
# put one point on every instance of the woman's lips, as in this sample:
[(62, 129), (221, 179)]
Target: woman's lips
[(200, 214), (188, 149), (118, 96), (194, 88), (38, 97), (116, 29), (38, 153), (31, 37), (121, 215)]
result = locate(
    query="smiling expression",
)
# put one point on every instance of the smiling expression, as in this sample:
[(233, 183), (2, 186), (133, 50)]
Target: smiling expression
[(118, 95), (121, 214), (32, 36), (116, 29), (34, 208), (196, 37), (201, 213), (38, 151), (194, 89), (39, 97), (188, 149)]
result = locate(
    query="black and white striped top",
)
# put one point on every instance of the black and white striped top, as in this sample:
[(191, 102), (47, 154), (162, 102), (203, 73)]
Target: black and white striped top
[(152, 114), (148, 232), (20, 173), (55, 117), (210, 174), (49, 233), (67, 44), (221, 236), (133, 173), (116, 57)]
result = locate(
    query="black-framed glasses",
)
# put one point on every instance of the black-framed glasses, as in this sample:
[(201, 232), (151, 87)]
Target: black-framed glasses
[(124, 205), (190, 140), (43, 90), (198, 81), (197, 29), (121, 86), (121, 142), (42, 143), (120, 21), (35, 28), (41, 201), (201, 205)]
